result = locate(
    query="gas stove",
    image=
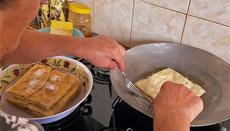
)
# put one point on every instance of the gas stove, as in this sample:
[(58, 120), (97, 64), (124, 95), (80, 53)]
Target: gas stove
[(79, 120), (124, 117), (100, 76)]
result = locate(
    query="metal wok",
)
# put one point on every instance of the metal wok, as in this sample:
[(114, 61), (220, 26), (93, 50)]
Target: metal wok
[(203, 68)]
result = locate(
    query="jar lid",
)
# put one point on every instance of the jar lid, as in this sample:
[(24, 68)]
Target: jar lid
[(79, 8)]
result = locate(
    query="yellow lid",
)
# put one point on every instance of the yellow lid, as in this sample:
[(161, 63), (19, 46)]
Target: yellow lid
[(62, 25), (79, 8)]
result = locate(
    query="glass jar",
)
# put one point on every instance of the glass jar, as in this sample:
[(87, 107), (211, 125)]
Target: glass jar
[(79, 15)]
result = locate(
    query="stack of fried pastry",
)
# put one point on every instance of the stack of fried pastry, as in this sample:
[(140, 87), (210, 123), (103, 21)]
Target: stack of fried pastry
[(44, 91)]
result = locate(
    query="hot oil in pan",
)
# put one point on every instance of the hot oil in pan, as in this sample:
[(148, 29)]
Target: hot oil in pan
[(207, 82)]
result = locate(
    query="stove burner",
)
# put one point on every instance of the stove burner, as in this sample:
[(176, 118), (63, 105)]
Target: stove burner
[(65, 123), (100, 76)]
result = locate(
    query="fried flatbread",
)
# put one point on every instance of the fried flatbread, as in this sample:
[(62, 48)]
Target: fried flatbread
[(151, 86), (49, 96), (57, 86), (59, 106), (32, 81)]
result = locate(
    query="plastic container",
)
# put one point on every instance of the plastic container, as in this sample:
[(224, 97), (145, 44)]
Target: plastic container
[(61, 28), (79, 15), (75, 33)]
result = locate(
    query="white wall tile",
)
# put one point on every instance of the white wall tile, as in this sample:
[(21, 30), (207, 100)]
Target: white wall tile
[(113, 18), (214, 10), (208, 36), (177, 5), (154, 24)]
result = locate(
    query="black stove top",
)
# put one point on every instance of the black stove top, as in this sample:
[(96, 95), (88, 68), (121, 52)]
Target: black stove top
[(127, 117), (84, 123), (100, 76), (123, 116), (79, 120)]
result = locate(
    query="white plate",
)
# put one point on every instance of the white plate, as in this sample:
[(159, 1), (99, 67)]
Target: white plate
[(13, 72)]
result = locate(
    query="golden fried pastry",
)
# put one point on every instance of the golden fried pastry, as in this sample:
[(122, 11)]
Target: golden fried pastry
[(151, 86), (32, 81), (57, 86), (60, 105), (17, 100), (49, 96)]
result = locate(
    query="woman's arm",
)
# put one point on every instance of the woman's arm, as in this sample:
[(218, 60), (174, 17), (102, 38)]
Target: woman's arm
[(173, 122), (101, 51), (35, 46)]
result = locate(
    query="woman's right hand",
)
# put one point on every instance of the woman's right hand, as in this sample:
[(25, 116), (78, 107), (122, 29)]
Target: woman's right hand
[(176, 99), (104, 52), (175, 107)]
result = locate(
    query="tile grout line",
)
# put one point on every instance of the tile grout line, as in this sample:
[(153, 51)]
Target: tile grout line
[(186, 17), (209, 20), (163, 7), (182, 33), (132, 20), (184, 13)]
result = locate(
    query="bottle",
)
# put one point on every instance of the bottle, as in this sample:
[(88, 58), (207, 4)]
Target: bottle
[(79, 15)]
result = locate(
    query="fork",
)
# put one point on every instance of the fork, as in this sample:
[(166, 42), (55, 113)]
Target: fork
[(131, 86)]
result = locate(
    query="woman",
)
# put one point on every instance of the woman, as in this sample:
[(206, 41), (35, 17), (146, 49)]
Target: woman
[(17, 45)]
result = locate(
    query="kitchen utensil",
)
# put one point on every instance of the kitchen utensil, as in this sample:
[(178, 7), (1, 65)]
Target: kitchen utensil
[(76, 32), (131, 86)]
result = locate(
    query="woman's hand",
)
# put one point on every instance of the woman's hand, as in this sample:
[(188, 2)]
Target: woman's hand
[(103, 52), (175, 107)]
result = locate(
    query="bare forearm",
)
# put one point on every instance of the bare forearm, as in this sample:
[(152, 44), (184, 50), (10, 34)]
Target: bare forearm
[(100, 50), (35, 46), (173, 123)]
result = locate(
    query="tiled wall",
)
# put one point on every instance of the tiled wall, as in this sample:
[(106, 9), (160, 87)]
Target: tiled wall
[(201, 23)]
